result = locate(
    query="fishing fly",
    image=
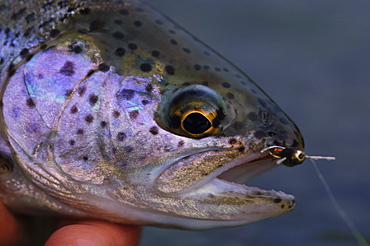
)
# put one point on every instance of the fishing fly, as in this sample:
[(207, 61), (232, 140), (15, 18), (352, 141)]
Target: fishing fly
[(291, 157)]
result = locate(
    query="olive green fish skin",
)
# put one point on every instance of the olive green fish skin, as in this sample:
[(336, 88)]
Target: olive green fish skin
[(94, 95)]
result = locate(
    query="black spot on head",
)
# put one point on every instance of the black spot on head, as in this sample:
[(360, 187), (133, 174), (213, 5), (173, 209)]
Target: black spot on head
[(241, 149), (116, 114), (72, 142), (149, 87), (93, 99), (81, 90), (154, 130), (63, 4), (103, 124), (75, 49), (80, 131), (206, 67), (24, 53), (120, 51), (197, 67), (181, 143), (186, 50), (118, 35), (89, 118), (32, 128), (127, 94), (18, 15), (132, 46), (133, 114), (128, 148), (85, 11), (123, 12), (225, 69), (146, 67), (155, 53), (138, 23), (230, 95), (226, 85), (121, 136), (174, 42), (67, 69), (30, 103), (277, 200), (103, 67), (260, 134), (232, 141), (262, 102), (283, 205), (74, 109), (85, 158), (170, 70), (54, 33), (145, 102)]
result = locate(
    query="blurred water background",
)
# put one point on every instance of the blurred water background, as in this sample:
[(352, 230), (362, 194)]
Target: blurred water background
[(313, 58)]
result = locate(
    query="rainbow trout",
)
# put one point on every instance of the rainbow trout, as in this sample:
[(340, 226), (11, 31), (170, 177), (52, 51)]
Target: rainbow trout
[(109, 110)]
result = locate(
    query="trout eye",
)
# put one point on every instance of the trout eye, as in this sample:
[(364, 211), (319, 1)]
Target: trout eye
[(195, 111), (196, 123)]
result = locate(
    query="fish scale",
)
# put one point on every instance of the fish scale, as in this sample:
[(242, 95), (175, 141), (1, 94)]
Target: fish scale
[(112, 107)]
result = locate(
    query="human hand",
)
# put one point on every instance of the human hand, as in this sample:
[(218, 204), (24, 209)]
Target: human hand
[(80, 233)]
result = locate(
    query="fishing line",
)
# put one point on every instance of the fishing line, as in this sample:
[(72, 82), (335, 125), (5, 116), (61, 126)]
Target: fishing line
[(356, 233)]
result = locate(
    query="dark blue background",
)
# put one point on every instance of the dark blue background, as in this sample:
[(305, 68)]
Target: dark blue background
[(313, 58)]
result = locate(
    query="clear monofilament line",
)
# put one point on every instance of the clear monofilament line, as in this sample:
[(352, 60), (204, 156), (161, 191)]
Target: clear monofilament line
[(313, 157), (356, 233)]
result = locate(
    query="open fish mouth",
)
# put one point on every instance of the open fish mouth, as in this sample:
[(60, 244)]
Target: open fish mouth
[(220, 172)]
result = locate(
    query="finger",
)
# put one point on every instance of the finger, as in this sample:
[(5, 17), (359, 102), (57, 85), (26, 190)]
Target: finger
[(95, 233), (9, 229)]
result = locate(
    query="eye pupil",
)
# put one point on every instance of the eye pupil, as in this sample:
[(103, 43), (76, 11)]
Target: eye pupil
[(196, 123)]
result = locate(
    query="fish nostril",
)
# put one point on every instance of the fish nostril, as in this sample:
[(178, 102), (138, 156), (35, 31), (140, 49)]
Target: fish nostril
[(265, 117)]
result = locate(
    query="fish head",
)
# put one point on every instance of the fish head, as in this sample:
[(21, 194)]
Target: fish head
[(124, 115)]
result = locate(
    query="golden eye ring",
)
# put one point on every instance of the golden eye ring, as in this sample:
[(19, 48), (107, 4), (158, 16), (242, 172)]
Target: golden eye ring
[(199, 123)]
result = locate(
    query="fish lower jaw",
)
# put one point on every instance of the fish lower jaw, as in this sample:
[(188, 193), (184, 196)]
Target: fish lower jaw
[(219, 187)]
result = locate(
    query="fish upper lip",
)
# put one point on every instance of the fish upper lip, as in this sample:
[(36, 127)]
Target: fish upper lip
[(170, 184)]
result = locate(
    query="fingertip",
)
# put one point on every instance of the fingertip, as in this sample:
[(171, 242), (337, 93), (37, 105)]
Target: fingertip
[(9, 228), (95, 233)]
